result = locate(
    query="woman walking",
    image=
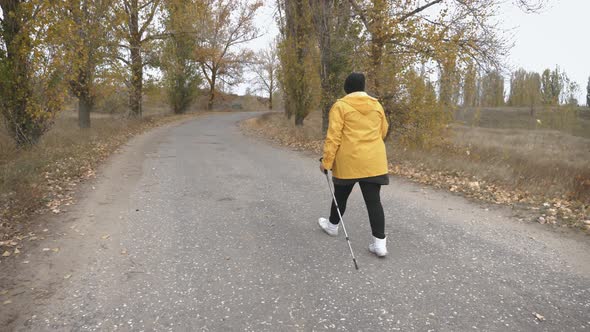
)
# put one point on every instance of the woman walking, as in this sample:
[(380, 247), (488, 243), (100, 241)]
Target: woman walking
[(355, 152)]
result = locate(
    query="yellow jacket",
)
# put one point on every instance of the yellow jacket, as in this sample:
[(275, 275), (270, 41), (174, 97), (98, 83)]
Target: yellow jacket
[(354, 145)]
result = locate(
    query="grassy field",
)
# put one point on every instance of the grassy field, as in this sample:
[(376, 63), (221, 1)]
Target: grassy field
[(496, 154), (572, 121)]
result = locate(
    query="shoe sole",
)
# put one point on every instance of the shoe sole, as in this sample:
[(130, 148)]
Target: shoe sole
[(379, 256), (325, 231)]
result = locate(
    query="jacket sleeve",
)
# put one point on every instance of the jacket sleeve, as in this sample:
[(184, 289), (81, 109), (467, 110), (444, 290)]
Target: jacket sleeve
[(384, 123), (334, 136)]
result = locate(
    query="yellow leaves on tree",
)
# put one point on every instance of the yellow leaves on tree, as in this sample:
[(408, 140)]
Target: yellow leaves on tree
[(32, 67), (89, 49), (177, 59), (226, 25), (403, 36)]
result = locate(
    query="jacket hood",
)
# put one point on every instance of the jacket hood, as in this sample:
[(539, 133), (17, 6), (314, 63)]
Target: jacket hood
[(361, 102)]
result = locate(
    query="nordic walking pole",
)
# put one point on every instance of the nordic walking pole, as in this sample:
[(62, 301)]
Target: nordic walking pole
[(341, 220)]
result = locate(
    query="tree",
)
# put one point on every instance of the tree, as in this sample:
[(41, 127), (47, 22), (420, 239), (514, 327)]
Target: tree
[(525, 89), (570, 92), (266, 67), (33, 67), (470, 86), (299, 73), (588, 93), (138, 33), (557, 85), (336, 36), (552, 85), (177, 61), (88, 47), (449, 80), (492, 90), (227, 25), (420, 103), (546, 89)]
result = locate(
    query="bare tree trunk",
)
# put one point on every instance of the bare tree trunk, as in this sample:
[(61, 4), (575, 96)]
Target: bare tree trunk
[(135, 96), (325, 118), (83, 85), (377, 46), (211, 92), (85, 106), (299, 119), (270, 101), (323, 20)]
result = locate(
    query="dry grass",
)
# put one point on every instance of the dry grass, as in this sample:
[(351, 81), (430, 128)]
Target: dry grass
[(279, 125), (539, 161), (568, 120), (546, 152)]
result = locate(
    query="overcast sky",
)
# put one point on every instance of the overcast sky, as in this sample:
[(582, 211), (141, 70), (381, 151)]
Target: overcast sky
[(558, 35)]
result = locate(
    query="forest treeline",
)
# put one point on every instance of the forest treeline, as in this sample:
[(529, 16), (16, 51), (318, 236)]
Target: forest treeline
[(421, 58)]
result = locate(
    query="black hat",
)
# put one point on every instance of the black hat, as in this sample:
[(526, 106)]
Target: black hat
[(354, 82)]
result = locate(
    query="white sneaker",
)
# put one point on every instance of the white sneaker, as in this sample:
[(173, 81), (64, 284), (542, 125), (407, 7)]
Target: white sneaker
[(378, 247), (328, 227)]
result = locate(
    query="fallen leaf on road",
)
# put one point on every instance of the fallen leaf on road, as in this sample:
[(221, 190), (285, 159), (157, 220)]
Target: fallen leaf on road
[(46, 249), (539, 317), (55, 249), (6, 253), (4, 292), (25, 262), (7, 302), (67, 276), (124, 252), (105, 237)]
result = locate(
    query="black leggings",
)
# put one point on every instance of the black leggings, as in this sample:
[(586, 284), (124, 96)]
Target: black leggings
[(372, 200)]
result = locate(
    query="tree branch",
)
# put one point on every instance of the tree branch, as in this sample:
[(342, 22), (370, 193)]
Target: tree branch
[(125, 61), (149, 19), (419, 9), (359, 12)]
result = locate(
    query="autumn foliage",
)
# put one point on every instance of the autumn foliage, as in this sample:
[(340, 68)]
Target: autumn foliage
[(32, 67), (87, 48)]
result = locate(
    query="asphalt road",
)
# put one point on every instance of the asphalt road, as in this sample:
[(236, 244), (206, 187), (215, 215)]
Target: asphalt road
[(197, 227)]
